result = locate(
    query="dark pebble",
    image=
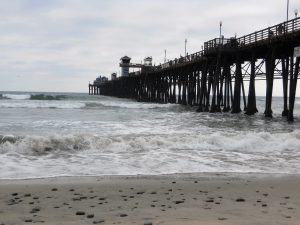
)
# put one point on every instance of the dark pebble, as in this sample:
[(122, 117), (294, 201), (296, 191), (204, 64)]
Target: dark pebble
[(209, 200), (222, 218), (123, 215), (71, 189), (264, 205), (14, 194), (54, 189), (28, 221), (80, 213), (148, 223), (98, 221), (153, 193), (27, 195), (240, 200), (178, 202), (90, 216), (35, 210)]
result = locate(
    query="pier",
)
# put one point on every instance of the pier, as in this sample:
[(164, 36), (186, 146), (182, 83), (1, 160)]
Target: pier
[(214, 78)]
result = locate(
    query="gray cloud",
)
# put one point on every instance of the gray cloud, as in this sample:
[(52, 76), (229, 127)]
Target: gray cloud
[(61, 45)]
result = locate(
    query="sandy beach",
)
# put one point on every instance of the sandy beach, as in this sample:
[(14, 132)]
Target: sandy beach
[(167, 199)]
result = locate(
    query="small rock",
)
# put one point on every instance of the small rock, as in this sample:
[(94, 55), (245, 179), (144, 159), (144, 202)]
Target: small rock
[(222, 218), (178, 202), (14, 194), (90, 216), (123, 215), (240, 200), (148, 223), (98, 221), (80, 213), (54, 189)]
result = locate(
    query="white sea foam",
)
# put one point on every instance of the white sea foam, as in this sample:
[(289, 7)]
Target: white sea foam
[(17, 96), (135, 105), (41, 104), (150, 154)]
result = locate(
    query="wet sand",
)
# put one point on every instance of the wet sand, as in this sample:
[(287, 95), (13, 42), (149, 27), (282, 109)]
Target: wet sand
[(179, 199)]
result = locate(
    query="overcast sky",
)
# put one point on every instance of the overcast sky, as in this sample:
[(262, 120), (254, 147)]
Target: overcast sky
[(61, 45)]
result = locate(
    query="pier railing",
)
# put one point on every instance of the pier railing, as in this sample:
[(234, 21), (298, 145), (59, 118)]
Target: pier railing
[(269, 33)]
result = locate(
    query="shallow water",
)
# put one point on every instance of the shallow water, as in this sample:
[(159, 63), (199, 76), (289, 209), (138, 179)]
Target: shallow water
[(59, 134)]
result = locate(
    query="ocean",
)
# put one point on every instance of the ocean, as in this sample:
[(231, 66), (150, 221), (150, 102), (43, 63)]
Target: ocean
[(70, 134)]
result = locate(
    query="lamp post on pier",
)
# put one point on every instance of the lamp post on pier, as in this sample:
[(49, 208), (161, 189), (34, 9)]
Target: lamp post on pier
[(185, 47), (296, 13), (287, 10), (221, 23)]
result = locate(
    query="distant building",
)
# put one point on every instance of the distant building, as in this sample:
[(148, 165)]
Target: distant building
[(100, 79), (148, 61), (113, 76)]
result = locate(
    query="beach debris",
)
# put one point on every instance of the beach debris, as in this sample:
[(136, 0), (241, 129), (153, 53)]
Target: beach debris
[(80, 213), (98, 221), (240, 200)]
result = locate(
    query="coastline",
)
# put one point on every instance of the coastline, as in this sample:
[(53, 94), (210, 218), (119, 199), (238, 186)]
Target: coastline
[(196, 198)]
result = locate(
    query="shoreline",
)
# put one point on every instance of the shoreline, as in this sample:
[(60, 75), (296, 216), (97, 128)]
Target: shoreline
[(192, 174), (180, 199)]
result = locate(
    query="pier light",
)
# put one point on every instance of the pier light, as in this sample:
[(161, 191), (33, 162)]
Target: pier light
[(296, 13), (185, 41), (287, 10), (221, 23)]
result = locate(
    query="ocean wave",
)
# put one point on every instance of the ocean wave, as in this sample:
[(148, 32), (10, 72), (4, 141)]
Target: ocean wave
[(74, 155), (16, 96), (32, 97), (42, 104), (241, 142)]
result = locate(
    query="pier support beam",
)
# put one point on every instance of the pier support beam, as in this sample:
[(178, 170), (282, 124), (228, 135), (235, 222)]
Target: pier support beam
[(227, 80), (270, 66), (236, 107), (293, 86), (251, 107), (203, 88), (285, 77)]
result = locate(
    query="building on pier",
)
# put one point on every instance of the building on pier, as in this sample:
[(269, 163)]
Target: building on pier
[(94, 88)]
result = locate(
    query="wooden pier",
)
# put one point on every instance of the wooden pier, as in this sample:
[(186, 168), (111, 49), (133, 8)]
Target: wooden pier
[(214, 78)]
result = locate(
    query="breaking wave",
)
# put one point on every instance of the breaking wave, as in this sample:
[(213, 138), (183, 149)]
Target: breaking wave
[(32, 97), (156, 154)]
